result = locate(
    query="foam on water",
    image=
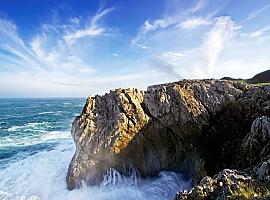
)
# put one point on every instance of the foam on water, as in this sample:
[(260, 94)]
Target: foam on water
[(42, 177), (32, 139), (36, 126), (44, 113)]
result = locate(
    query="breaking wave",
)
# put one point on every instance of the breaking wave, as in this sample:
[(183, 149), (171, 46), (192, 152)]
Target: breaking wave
[(42, 176)]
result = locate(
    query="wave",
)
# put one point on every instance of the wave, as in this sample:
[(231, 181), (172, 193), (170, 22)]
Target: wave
[(17, 116), (55, 135), (44, 113), (42, 177), (34, 126), (45, 136)]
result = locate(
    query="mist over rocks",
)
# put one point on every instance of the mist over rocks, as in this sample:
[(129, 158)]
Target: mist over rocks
[(194, 126)]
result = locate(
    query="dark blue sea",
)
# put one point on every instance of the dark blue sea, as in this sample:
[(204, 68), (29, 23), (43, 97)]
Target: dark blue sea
[(35, 150)]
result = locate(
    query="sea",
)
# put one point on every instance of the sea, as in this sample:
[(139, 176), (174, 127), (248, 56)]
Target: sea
[(36, 148)]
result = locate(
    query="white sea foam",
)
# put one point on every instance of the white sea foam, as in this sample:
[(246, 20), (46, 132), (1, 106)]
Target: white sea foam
[(42, 177), (55, 135), (44, 113), (34, 126), (43, 136)]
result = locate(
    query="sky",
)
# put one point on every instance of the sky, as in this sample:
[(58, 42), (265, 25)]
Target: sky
[(52, 48)]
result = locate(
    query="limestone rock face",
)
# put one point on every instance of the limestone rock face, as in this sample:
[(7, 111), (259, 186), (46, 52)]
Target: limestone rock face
[(171, 126)]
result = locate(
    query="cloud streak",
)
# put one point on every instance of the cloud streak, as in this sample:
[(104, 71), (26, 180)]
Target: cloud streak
[(215, 40), (256, 13), (91, 30), (194, 22), (198, 6), (259, 33)]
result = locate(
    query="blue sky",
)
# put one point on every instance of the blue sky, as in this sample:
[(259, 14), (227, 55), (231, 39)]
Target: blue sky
[(51, 48)]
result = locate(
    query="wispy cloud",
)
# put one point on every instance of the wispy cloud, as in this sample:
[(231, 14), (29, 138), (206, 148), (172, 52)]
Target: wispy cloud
[(166, 64), (172, 57), (200, 4), (90, 30), (150, 26), (257, 33), (15, 46), (256, 13), (194, 22), (156, 24), (187, 20)]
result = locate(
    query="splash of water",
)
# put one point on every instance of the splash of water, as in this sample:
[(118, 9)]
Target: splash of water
[(42, 177), (113, 178)]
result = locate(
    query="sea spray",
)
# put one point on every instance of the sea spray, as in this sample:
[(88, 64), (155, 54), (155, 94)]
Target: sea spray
[(42, 176), (113, 178)]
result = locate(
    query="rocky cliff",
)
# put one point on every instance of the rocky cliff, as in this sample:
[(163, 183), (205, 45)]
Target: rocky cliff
[(196, 126), (250, 183)]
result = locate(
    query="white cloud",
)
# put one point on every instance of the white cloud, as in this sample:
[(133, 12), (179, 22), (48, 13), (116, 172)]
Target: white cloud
[(91, 30), (150, 26), (167, 63), (173, 57), (159, 23), (194, 23), (215, 40), (199, 5), (256, 13), (259, 32), (170, 21)]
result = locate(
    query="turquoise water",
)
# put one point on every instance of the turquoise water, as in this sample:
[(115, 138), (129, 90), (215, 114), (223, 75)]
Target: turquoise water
[(36, 148)]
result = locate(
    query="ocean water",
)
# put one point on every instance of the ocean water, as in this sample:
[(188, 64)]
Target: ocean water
[(36, 148)]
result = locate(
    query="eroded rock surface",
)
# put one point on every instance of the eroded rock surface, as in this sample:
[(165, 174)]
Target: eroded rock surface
[(250, 183), (183, 126), (227, 184)]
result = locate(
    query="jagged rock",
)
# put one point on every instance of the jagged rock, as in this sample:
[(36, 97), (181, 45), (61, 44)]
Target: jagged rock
[(250, 183), (224, 137), (227, 184), (182, 126), (255, 146)]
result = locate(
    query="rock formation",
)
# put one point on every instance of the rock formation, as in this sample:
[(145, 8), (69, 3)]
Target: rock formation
[(194, 126), (250, 183)]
